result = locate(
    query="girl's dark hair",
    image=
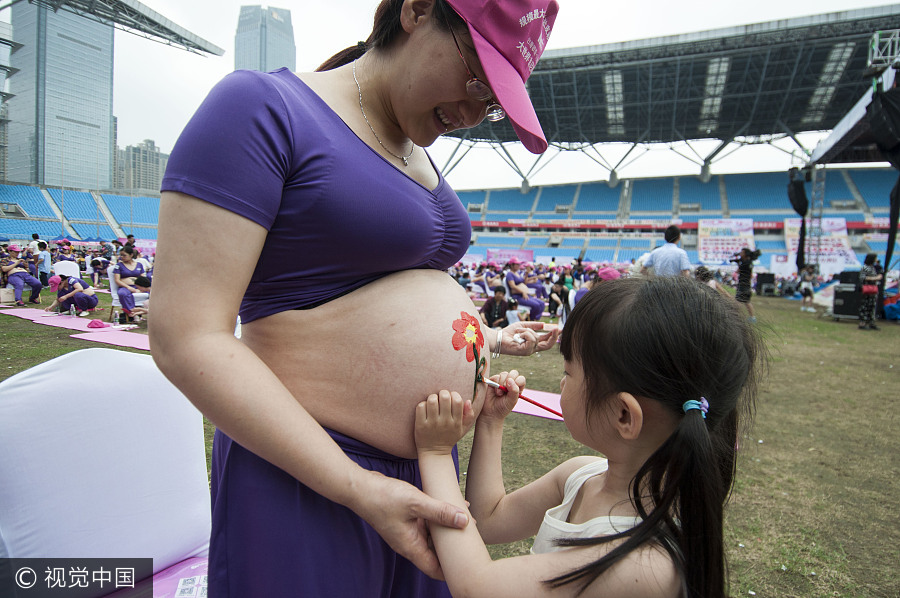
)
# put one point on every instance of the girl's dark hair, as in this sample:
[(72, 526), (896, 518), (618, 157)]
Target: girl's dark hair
[(870, 259), (670, 339), (387, 28), (129, 250)]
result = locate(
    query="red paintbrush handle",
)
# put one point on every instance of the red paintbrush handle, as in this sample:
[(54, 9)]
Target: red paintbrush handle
[(544, 407)]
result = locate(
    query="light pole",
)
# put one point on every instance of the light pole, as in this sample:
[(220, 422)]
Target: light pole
[(62, 186)]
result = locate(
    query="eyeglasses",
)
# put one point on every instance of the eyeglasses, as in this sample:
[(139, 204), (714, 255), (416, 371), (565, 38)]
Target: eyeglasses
[(479, 90)]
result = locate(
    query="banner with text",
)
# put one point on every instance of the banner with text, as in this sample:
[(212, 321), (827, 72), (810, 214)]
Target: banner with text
[(501, 256), (831, 250), (719, 240)]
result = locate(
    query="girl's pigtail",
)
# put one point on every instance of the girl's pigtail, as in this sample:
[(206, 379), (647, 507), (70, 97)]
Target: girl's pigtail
[(695, 474)]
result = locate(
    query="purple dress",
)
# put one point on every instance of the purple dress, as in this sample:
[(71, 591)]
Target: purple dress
[(535, 305), (264, 146), (126, 297)]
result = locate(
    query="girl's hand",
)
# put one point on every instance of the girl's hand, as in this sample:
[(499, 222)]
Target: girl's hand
[(498, 404), (441, 420)]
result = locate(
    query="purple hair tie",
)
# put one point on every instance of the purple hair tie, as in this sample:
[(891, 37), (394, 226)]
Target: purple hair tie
[(702, 405)]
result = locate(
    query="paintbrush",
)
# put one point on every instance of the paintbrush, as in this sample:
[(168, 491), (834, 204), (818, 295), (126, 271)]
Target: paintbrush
[(524, 398)]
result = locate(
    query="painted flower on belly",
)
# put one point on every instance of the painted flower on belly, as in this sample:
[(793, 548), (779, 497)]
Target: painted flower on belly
[(467, 335)]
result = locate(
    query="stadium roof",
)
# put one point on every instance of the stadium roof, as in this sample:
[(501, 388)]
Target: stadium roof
[(774, 78), (133, 17)]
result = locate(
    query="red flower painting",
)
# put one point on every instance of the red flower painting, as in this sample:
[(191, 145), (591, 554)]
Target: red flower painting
[(467, 334)]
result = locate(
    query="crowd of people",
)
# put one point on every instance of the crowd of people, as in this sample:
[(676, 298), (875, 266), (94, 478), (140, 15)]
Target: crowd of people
[(33, 266)]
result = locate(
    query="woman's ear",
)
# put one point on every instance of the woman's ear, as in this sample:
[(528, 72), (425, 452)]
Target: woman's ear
[(629, 417), (413, 12)]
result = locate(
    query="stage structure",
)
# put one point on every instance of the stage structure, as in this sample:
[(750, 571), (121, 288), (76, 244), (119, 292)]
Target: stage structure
[(133, 17), (870, 131), (741, 86)]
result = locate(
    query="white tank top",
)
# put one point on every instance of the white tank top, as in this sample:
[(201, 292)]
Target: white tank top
[(555, 525)]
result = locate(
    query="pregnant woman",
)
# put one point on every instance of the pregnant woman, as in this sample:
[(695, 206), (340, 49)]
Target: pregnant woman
[(341, 223)]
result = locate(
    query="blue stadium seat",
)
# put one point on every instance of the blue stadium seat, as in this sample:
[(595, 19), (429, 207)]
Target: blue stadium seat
[(652, 195), (139, 210), (761, 190), (599, 255), (533, 242), (597, 197), (553, 196), (78, 205), (691, 190), (511, 200), (875, 185), (498, 241), (30, 199)]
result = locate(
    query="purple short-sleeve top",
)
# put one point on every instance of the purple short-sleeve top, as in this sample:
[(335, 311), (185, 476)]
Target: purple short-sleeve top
[(338, 215)]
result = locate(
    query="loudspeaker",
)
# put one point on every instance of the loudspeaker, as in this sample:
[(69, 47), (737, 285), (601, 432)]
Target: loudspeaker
[(797, 195), (846, 304), (849, 277), (764, 279)]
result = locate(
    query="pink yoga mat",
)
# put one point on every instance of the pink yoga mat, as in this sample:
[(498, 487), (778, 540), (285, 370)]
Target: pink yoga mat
[(65, 321), (546, 398), (26, 313), (120, 338)]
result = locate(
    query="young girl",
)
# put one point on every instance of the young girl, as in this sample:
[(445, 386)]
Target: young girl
[(660, 375)]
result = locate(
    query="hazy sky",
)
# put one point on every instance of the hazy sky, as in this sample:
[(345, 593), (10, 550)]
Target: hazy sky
[(158, 87)]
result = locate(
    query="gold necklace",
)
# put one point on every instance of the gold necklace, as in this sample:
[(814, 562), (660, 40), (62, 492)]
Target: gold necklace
[(371, 128)]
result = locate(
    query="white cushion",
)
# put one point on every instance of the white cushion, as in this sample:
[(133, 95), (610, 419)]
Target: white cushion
[(114, 471)]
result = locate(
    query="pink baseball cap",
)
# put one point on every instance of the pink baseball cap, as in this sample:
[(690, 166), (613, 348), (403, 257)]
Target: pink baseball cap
[(510, 36), (608, 274), (14, 247), (54, 282)]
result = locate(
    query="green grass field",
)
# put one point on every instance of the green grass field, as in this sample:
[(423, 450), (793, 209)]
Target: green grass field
[(814, 511)]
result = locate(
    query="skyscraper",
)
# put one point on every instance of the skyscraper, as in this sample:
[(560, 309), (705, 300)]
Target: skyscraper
[(265, 39), (61, 120)]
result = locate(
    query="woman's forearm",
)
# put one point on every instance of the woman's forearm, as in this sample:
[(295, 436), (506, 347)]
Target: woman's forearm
[(240, 395)]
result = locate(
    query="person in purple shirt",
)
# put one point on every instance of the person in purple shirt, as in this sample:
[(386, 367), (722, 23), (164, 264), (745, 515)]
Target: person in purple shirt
[(519, 291), (127, 269), (344, 222), (17, 275), (72, 291)]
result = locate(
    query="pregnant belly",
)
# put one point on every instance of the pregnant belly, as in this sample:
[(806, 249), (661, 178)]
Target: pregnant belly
[(361, 363)]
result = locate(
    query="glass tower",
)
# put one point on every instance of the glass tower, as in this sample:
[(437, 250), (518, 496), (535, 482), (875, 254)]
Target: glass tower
[(60, 116), (264, 40)]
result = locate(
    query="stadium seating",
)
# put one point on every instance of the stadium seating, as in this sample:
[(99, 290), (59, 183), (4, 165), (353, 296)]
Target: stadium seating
[(692, 191), (15, 228), (511, 200), (756, 191), (30, 199), (652, 195), (553, 196), (139, 210), (78, 205), (597, 197), (874, 185), (537, 241)]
